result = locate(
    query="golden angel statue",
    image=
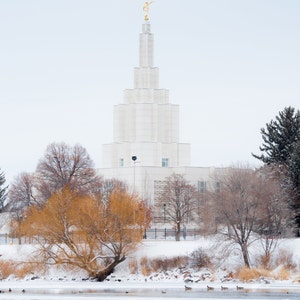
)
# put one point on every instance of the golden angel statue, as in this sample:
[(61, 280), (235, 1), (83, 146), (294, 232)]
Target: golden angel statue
[(146, 10)]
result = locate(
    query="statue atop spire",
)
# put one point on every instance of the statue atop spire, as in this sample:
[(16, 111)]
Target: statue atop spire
[(146, 10)]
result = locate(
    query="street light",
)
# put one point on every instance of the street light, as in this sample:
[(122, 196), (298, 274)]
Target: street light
[(134, 158), (164, 213)]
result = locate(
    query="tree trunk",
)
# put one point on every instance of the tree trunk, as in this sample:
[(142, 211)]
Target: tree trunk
[(101, 275), (177, 232), (245, 255)]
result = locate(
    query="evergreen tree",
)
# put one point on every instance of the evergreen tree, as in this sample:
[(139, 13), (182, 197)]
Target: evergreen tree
[(294, 167), (281, 149), (280, 137), (294, 176), (3, 190)]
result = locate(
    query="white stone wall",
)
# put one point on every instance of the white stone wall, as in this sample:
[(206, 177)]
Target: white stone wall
[(146, 78), (159, 96), (146, 122), (142, 179), (149, 154)]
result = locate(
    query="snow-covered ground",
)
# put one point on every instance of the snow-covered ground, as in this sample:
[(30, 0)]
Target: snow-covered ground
[(171, 284)]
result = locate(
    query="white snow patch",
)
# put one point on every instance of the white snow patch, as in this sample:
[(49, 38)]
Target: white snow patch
[(57, 281)]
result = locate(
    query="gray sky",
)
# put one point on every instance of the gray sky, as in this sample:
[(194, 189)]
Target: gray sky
[(231, 65)]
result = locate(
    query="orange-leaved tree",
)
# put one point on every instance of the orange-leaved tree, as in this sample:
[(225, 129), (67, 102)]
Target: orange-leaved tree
[(85, 232)]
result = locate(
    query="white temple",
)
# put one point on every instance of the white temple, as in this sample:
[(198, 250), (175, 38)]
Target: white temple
[(146, 147), (146, 124)]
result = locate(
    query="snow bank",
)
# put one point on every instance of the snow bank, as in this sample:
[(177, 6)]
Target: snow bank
[(225, 261)]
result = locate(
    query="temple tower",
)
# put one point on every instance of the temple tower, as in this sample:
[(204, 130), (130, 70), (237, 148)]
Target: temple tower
[(146, 125)]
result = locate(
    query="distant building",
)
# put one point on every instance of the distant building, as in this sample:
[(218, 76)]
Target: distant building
[(146, 147)]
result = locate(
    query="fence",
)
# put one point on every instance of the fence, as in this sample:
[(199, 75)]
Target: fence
[(169, 233), (150, 234), (6, 239)]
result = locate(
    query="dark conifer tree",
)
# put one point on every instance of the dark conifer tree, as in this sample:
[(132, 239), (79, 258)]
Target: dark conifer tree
[(280, 137), (294, 176), (281, 148), (294, 167)]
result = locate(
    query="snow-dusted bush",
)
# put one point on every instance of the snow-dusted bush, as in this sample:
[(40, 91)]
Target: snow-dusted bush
[(285, 258), (167, 264), (200, 259), (248, 274), (17, 269), (162, 264)]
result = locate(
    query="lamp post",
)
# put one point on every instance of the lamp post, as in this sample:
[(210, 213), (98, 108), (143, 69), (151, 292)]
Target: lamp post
[(134, 158), (165, 221)]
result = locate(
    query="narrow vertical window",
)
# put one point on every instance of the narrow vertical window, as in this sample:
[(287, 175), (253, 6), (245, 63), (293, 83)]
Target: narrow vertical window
[(121, 163), (201, 186), (217, 186), (165, 162)]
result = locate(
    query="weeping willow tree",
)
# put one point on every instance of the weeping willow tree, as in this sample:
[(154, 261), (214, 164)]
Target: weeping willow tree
[(84, 232)]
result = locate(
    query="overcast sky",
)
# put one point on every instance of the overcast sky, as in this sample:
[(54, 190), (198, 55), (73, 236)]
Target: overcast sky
[(231, 65)]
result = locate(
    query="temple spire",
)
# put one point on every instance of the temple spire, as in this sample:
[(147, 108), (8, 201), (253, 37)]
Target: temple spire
[(146, 10), (146, 47)]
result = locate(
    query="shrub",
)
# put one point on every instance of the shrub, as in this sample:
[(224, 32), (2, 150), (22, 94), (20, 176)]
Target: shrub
[(20, 270), (145, 268), (133, 266), (285, 259), (179, 261), (165, 264), (297, 280), (199, 259), (247, 274), (282, 274), (6, 268), (148, 266), (159, 264), (264, 261)]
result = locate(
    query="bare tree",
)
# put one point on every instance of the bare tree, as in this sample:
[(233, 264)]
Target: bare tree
[(21, 193), (276, 214), (242, 205), (180, 201), (65, 166), (62, 166), (21, 196), (237, 207)]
